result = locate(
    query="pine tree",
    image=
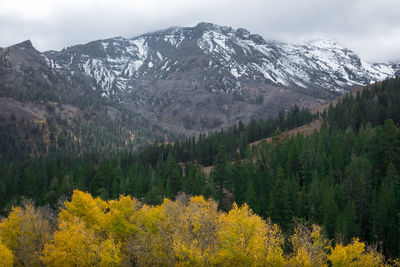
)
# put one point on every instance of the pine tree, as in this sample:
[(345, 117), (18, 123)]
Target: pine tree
[(194, 181), (53, 193), (173, 179), (346, 223), (279, 207), (3, 194), (314, 200), (154, 193), (386, 222), (220, 173), (293, 193), (330, 212), (250, 195)]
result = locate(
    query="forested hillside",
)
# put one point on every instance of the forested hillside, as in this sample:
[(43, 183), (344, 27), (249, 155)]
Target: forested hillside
[(344, 178), (45, 113), (143, 174)]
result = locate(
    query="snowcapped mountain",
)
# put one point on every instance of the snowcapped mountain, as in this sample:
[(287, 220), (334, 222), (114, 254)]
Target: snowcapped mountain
[(223, 74), (115, 63)]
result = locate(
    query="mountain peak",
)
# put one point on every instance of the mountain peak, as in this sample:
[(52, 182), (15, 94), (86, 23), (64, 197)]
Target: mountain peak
[(161, 32), (25, 54), (205, 25), (324, 43), (220, 59), (27, 44), (242, 33)]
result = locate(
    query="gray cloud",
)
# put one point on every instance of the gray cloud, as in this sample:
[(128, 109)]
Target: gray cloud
[(370, 27)]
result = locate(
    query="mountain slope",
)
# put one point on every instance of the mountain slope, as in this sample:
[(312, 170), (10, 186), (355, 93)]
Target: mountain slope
[(226, 75), (50, 112)]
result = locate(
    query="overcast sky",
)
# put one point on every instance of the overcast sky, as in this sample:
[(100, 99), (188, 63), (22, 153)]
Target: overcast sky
[(369, 27)]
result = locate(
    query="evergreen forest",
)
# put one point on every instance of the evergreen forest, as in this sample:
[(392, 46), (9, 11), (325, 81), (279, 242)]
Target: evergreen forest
[(328, 198)]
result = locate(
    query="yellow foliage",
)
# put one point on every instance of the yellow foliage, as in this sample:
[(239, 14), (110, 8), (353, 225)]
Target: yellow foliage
[(10, 228), (148, 241), (109, 253), (73, 245), (247, 240), (113, 217), (6, 256), (93, 232), (302, 258), (120, 216), (88, 228), (195, 238), (25, 232), (355, 254), (153, 243), (310, 247), (82, 205)]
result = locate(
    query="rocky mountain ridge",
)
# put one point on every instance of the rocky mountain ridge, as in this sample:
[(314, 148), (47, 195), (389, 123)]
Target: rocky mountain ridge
[(239, 55), (202, 78)]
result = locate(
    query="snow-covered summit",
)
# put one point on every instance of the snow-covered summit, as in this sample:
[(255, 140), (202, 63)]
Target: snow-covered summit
[(211, 76), (230, 56)]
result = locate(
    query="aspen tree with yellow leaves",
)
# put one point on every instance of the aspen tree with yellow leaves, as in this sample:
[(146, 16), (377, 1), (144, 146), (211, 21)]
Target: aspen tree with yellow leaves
[(195, 237), (355, 254), (246, 240), (6, 256), (189, 231), (309, 246), (25, 232)]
